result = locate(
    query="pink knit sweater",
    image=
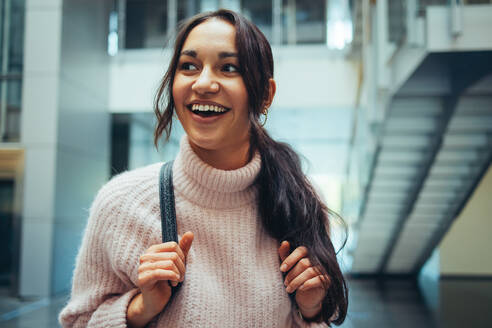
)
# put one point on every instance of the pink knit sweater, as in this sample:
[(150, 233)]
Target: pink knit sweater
[(232, 272)]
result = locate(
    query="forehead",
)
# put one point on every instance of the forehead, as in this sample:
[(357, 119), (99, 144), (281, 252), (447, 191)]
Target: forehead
[(213, 34)]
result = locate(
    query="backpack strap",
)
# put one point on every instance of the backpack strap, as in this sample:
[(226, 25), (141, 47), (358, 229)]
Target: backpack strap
[(168, 211)]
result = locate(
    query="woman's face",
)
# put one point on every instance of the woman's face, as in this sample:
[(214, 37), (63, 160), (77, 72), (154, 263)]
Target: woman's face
[(209, 93)]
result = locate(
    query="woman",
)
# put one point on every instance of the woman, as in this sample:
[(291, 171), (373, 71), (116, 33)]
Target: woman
[(253, 231)]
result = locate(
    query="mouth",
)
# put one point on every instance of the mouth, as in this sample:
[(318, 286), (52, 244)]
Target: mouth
[(207, 110)]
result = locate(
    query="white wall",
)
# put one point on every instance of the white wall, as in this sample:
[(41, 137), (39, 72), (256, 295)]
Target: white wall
[(38, 136), (475, 21), (83, 152), (314, 77), (465, 250), (65, 133), (307, 77)]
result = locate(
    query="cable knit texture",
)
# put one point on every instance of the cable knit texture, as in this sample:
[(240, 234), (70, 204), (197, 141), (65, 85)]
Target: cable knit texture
[(232, 270)]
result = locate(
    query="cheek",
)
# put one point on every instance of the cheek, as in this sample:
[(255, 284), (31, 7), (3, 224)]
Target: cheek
[(178, 90), (175, 92), (178, 99), (241, 96)]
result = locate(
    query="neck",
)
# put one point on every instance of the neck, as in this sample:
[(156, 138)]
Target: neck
[(224, 159)]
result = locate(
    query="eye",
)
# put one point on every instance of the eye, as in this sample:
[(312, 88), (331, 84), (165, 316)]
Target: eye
[(188, 67), (230, 68)]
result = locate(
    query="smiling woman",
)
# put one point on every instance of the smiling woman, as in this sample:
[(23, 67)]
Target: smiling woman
[(262, 254)]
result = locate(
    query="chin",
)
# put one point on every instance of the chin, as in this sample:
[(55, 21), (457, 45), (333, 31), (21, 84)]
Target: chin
[(203, 142)]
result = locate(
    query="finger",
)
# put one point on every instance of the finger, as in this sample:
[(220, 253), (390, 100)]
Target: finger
[(325, 280), (316, 282), (161, 265), (284, 250), (148, 279), (301, 279), (157, 257), (299, 268), (170, 246), (293, 258), (185, 242), (156, 248)]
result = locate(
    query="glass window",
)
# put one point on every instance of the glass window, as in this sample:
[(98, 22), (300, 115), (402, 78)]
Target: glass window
[(146, 24), (2, 4), (397, 13), (210, 5), (422, 4), (14, 13), (299, 21), (12, 45), (303, 21), (6, 229), (16, 39), (339, 24), (188, 8), (12, 129), (260, 13)]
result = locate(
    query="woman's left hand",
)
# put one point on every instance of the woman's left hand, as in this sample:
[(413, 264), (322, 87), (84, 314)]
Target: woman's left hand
[(304, 278)]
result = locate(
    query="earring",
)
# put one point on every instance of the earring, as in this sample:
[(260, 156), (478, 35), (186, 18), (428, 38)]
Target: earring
[(265, 112)]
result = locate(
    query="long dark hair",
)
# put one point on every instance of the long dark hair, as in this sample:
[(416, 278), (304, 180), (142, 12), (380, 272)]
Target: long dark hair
[(289, 207)]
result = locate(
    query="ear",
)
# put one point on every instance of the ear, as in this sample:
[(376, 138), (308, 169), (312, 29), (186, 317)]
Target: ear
[(272, 87)]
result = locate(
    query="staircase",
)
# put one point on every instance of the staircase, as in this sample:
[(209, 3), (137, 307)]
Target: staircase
[(432, 149)]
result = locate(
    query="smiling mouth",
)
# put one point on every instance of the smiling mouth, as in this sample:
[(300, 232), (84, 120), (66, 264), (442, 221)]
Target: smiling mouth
[(207, 110)]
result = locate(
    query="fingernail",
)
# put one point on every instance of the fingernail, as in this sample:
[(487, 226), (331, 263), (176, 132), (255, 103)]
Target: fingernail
[(283, 267), (289, 289)]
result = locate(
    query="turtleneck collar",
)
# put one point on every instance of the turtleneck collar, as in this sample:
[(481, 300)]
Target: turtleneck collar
[(209, 187)]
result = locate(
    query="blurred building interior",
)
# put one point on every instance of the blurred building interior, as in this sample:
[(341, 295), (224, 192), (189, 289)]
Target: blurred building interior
[(388, 101)]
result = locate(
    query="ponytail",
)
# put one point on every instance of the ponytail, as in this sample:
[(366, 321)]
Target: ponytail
[(291, 210)]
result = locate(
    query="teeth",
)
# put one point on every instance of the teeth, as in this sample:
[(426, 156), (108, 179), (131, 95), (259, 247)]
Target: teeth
[(208, 108)]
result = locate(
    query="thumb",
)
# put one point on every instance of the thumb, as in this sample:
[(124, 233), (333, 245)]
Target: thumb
[(185, 242), (284, 250)]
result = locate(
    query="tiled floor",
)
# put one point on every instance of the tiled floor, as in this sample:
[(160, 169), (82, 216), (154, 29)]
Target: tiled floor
[(449, 303), (40, 313), (396, 303)]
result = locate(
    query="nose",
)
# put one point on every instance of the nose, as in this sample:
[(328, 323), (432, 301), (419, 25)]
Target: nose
[(205, 82)]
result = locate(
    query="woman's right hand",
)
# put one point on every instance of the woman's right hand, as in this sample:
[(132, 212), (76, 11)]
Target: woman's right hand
[(161, 266)]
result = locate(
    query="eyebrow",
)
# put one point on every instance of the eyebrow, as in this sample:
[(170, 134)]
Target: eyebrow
[(191, 53), (225, 54), (222, 54)]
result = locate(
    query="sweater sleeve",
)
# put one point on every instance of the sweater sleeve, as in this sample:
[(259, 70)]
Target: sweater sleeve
[(299, 322), (101, 289)]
